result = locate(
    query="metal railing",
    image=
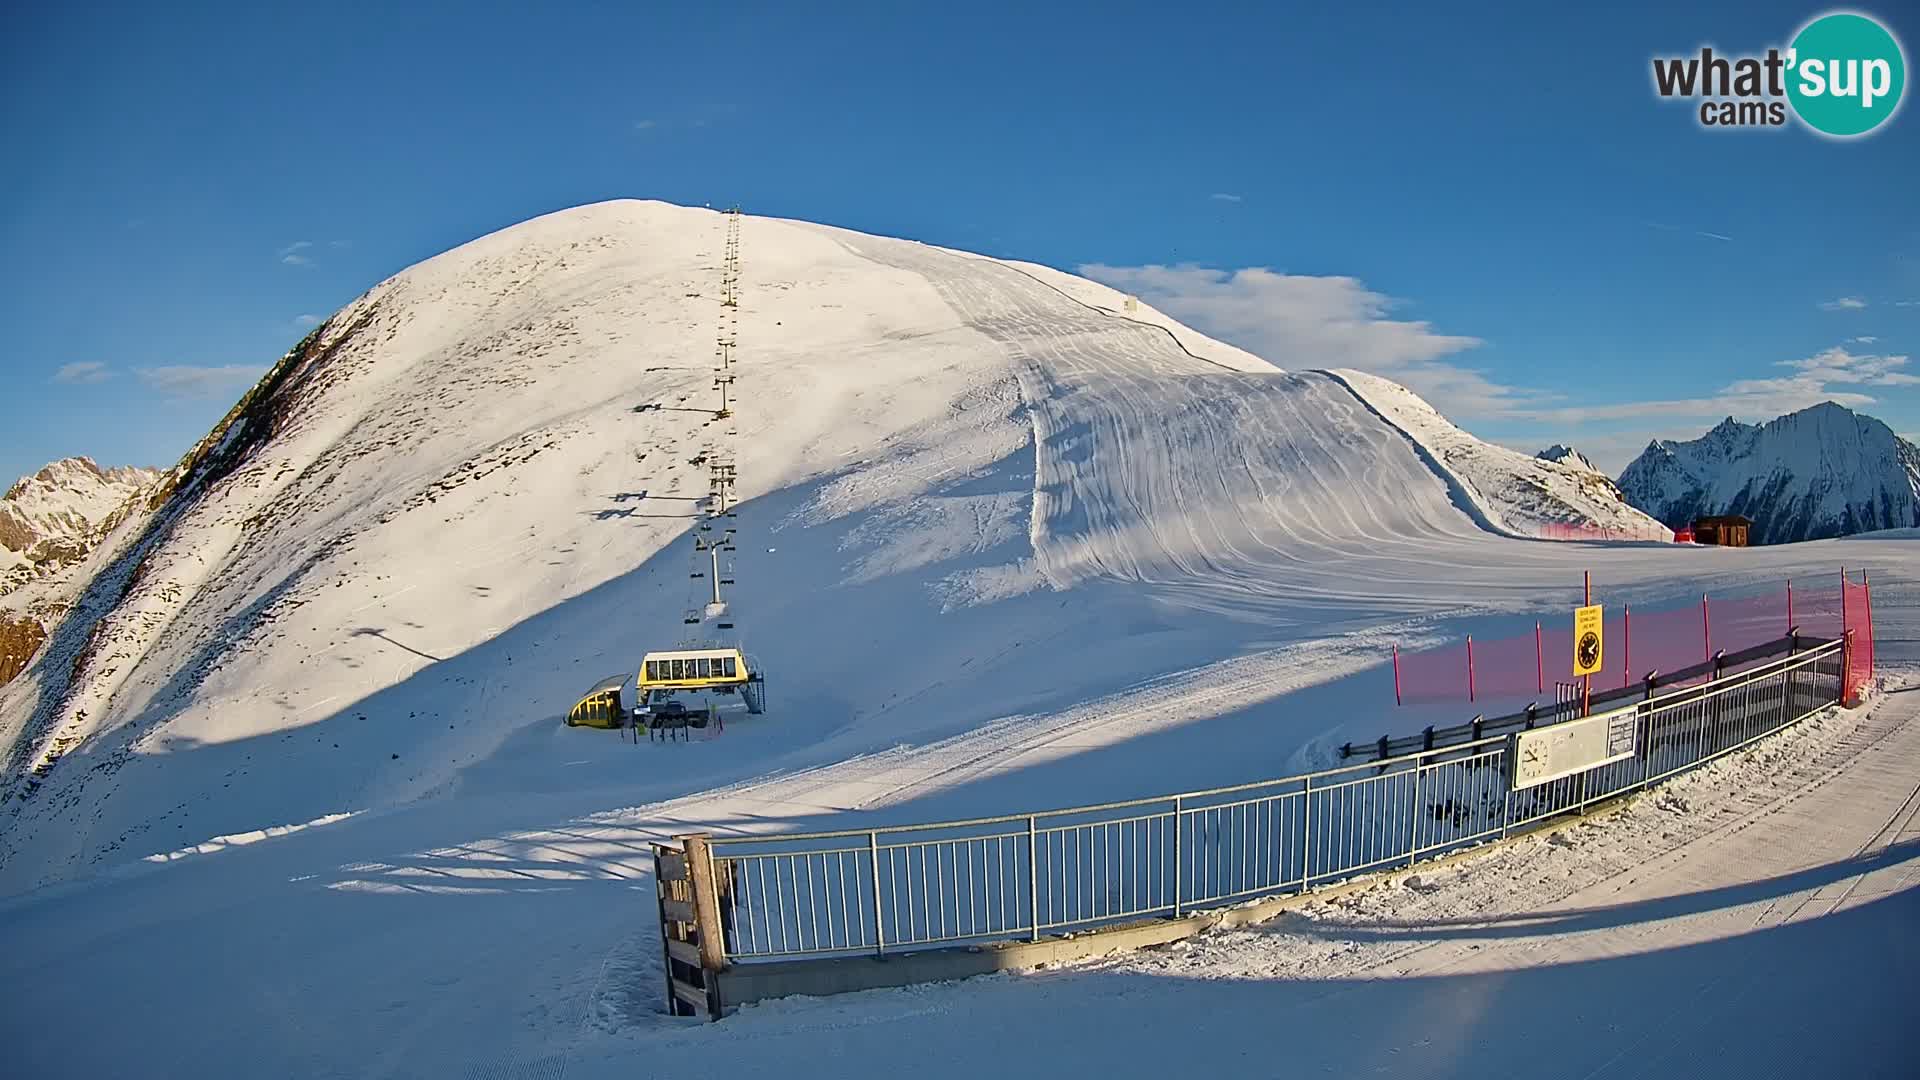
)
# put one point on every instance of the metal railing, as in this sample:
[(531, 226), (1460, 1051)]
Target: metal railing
[(1018, 877)]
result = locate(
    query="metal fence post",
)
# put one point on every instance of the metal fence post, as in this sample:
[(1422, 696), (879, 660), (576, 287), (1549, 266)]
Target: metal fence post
[(1033, 875), (873, 860), (1176, 856), (1306, 835), (1413, 826), (1506, 802)]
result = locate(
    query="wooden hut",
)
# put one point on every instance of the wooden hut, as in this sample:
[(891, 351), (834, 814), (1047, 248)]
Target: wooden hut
[(1726, 530)]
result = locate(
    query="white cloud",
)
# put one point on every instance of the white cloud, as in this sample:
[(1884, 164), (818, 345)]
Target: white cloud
[(185, 380), (291, 253), (306, 320), (1840, 366), (86, 371), (1815, 379), (1221, 196), (1302, 321), (339, 244), (1697, 232), (645, 125), (1864, 339), (1845, 303)]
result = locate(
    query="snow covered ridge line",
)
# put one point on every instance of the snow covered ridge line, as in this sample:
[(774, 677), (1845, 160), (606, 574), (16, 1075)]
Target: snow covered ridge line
[(100, 617), (1552, 496), (1087, 869)]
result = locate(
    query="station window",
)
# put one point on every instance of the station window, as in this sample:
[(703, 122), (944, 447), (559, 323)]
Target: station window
[(704, 674), (653, 670), (679, 669)]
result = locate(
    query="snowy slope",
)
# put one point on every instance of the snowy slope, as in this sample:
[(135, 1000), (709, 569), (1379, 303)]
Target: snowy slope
[(1823, 471), (1001, 550), (455, 504), (1510, 491)]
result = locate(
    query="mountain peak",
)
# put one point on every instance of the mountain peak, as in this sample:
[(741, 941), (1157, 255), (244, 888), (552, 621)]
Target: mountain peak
[(1821, 471), (49, 518), (1567, 455)]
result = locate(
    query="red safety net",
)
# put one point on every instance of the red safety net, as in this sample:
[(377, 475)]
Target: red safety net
[(1856, 612), (1587, 530), (1638, 642)]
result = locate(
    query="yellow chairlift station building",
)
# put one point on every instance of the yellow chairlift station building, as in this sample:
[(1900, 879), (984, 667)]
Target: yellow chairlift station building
[(693, 669), (693, 686)]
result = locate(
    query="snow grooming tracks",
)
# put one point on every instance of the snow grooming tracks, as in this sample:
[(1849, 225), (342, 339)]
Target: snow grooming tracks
[(1087, 881), (1464, 496)]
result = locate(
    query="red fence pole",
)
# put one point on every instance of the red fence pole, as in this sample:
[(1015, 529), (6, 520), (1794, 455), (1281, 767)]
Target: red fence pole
[(1539, 660), (1586, 681), (1706, 627), (1470, 696), (1396, 673), (1626, 659)]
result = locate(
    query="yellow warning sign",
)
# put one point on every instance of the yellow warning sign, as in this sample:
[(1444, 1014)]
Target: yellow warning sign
[(1587, 640)]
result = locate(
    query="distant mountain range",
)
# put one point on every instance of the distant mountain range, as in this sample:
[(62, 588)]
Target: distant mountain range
[(52, 518), (1820, 472), (49, 523)]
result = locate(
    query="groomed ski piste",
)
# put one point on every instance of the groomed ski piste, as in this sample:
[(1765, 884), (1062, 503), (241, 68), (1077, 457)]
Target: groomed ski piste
[(1008, 543)]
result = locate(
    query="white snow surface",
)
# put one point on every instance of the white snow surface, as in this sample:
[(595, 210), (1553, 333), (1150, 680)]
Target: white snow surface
[(1823, 471), (1507, 490), (1000, 550), (950, 466)]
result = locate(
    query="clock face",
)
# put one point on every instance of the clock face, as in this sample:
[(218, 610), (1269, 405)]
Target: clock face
[(1589, 649)]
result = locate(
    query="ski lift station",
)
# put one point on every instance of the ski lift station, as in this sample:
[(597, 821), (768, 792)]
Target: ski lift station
[(697, 686), (701, 679)]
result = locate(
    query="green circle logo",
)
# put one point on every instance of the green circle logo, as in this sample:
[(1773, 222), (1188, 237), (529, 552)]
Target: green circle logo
[(1846, 74)]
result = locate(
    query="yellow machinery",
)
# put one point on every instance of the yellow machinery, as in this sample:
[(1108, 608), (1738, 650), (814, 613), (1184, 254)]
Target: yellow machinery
[(600, 707), (689, 687)]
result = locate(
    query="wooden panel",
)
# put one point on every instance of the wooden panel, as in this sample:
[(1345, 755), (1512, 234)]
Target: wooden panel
[(706, 902), (692, 996), (677, 910), (684, 951), (673, 866)]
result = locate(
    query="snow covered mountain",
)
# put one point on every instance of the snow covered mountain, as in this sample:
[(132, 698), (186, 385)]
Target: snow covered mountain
[(49, 522), (1823, 471), (52, 517), (1567, 455), (1509, 491), (972, 490)]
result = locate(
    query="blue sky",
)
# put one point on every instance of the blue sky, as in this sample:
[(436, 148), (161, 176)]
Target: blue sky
[(1490, 205)]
